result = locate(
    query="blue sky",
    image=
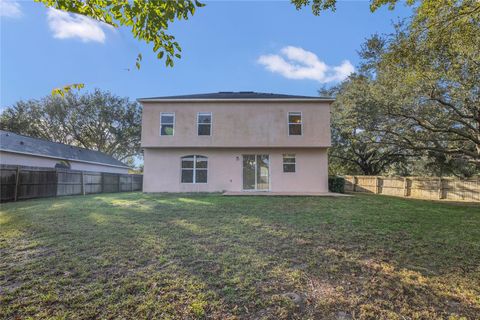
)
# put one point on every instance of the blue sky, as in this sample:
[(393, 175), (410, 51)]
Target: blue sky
[(265, 46)]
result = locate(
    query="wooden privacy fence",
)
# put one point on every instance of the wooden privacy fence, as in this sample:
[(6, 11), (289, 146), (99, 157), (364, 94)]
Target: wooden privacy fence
[(20, 183), (433, 188)]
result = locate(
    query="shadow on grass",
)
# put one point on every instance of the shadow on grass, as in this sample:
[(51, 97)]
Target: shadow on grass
[(220, 257)]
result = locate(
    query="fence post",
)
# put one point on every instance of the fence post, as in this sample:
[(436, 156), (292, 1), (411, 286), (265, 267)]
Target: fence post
[(101, 182), (17, 178), (405, 187), (478, 188), (119, 179), (377, 185), (354, 180), (83, 183), (440, 188), (131, 183), (56, 182)]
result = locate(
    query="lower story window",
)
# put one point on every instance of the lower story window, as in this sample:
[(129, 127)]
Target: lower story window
[(289, 163), (194, 169)]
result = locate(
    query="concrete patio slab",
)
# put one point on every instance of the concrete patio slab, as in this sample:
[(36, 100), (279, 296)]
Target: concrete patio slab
[(285, 194)]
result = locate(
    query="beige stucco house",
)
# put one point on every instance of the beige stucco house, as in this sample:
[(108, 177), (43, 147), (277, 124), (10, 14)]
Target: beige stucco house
[(236, 141)]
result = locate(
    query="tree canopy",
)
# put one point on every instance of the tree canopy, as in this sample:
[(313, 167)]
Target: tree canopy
[(357, 116), (424, 81), (97, 121), (320, 5), (430, 77)]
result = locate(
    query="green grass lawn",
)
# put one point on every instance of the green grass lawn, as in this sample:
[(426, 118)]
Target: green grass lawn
[(135, 255)]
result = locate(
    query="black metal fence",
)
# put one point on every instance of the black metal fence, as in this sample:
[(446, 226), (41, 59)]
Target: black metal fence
[(20, 183)]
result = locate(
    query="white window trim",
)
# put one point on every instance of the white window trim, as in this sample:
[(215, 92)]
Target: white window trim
[(194, 169), (211, 123), (289, 123), (289, 155), (174, 120)]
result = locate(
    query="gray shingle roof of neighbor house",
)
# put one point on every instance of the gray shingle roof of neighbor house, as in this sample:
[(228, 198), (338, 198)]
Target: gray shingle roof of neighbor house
[(241, 95), (16, 143)]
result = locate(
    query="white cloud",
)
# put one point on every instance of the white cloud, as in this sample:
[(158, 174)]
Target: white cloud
[(67, 25), (10, 8), (297, 63)]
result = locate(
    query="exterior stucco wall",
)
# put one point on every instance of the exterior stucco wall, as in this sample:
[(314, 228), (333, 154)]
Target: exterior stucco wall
[(162, 171), (238, 124), (35, 161)]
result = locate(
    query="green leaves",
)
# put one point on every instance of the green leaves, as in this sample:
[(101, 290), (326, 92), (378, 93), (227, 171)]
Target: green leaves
[(322, 5), (358, 146), (317, 5), (434, 62), (66, 89), (139, 59), (426, 79), (419, 96), (148, 20)]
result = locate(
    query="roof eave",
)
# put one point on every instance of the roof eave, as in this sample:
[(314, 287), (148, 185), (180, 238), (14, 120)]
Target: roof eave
[(142, 100), (63, 158)]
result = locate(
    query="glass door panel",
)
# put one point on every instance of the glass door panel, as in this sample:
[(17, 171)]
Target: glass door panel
[(249, 168), (262, 172)]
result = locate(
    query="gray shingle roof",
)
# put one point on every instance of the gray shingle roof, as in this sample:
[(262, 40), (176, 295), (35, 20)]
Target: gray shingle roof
[(13, 142), (236, 95)]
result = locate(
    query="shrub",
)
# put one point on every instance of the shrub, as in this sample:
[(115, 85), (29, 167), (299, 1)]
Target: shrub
[(336, 184)]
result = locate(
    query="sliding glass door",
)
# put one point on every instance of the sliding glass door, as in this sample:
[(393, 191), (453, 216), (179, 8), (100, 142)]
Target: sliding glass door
[(256, 172)]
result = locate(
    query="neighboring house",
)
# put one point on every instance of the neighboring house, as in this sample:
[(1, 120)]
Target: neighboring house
[(21, 150), (236, 141)]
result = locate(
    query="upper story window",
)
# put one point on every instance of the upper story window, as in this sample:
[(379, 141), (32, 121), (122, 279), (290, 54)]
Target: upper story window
[(167, 123), (289, 163), (295, 124), (194, 169), (204, 123)]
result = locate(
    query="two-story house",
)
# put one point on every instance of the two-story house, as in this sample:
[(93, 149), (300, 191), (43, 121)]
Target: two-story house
[(236, 141)]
